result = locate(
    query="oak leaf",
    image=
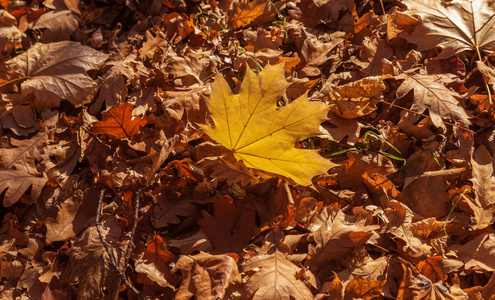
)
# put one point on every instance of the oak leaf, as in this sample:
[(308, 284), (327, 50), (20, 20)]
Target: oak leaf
[(119, 122), (17, 182), (24, 154), (275, 279), (454, 26), (430, 93), (262, 136), (57, 71)]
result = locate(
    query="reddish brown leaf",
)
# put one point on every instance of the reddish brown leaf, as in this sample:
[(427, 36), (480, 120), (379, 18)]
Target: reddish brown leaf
[(119, 122)]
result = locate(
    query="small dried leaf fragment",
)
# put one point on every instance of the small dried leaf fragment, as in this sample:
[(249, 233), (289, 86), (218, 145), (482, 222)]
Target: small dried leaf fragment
[(206, 276), (275, 279), (57, 71), (458, 26), (17, 182), (262, 136), (119, 122)]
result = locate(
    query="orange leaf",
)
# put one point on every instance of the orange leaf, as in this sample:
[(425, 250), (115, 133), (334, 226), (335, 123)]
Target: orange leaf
[(119, 122)]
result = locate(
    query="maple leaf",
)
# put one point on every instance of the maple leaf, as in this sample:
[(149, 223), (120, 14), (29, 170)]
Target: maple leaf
[(231, 228), (119, 122), (455, 26), (262, 136), (275, 279), (57, 71), (431, 94)]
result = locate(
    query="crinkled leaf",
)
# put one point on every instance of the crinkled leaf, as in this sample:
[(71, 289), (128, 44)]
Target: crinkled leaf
[(57, 71), (430, 93)]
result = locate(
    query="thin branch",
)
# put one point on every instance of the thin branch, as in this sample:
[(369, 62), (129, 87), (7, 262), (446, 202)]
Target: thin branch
[(110, 254)]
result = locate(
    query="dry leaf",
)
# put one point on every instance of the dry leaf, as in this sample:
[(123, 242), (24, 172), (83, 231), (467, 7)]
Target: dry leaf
[(274, 277), (231, 228), (16, 182), (206, 276), (430, 93), (119, 122), (454, 26), (57, 71)]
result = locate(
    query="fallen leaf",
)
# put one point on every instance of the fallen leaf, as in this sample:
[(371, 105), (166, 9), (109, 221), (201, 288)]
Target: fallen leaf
[(230, 230), (119, 122), (455, 26), (274, 277), (262, 136), (206, 276), (57, 71), (244, 12), (334, 239), (427, 194), (484, 188), (91, 269), (25, 154), (16, 182), (430, 93), (358, 98)]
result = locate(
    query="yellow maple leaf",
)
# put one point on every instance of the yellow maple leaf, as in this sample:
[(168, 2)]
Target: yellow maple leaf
[(261, 135)]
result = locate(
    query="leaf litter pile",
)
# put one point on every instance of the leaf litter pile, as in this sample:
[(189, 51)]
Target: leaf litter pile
[(234, 149)]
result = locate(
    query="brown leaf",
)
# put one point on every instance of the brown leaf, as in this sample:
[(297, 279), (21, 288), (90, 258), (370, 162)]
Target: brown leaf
[(90, 267), (314, 12), (17, 182), (57, 25), (119, 122), (244, 12), (274, 277), (206, 276), (478, 254), (25, 155), (231, 228), (453, 26), (229, 169), (57, 71), (334, 239), (430, 93), (427, 194), (357, 98), (362, 288)]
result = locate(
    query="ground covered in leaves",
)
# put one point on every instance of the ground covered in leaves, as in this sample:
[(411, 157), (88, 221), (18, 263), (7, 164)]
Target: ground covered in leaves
[(234, 149)]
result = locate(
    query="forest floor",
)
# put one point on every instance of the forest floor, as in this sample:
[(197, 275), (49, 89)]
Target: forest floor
[(235, 149)]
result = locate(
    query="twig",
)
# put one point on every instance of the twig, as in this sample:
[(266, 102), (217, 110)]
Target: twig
[(107, 246)]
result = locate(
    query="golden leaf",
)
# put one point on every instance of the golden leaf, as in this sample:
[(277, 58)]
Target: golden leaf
[(263, 136)]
